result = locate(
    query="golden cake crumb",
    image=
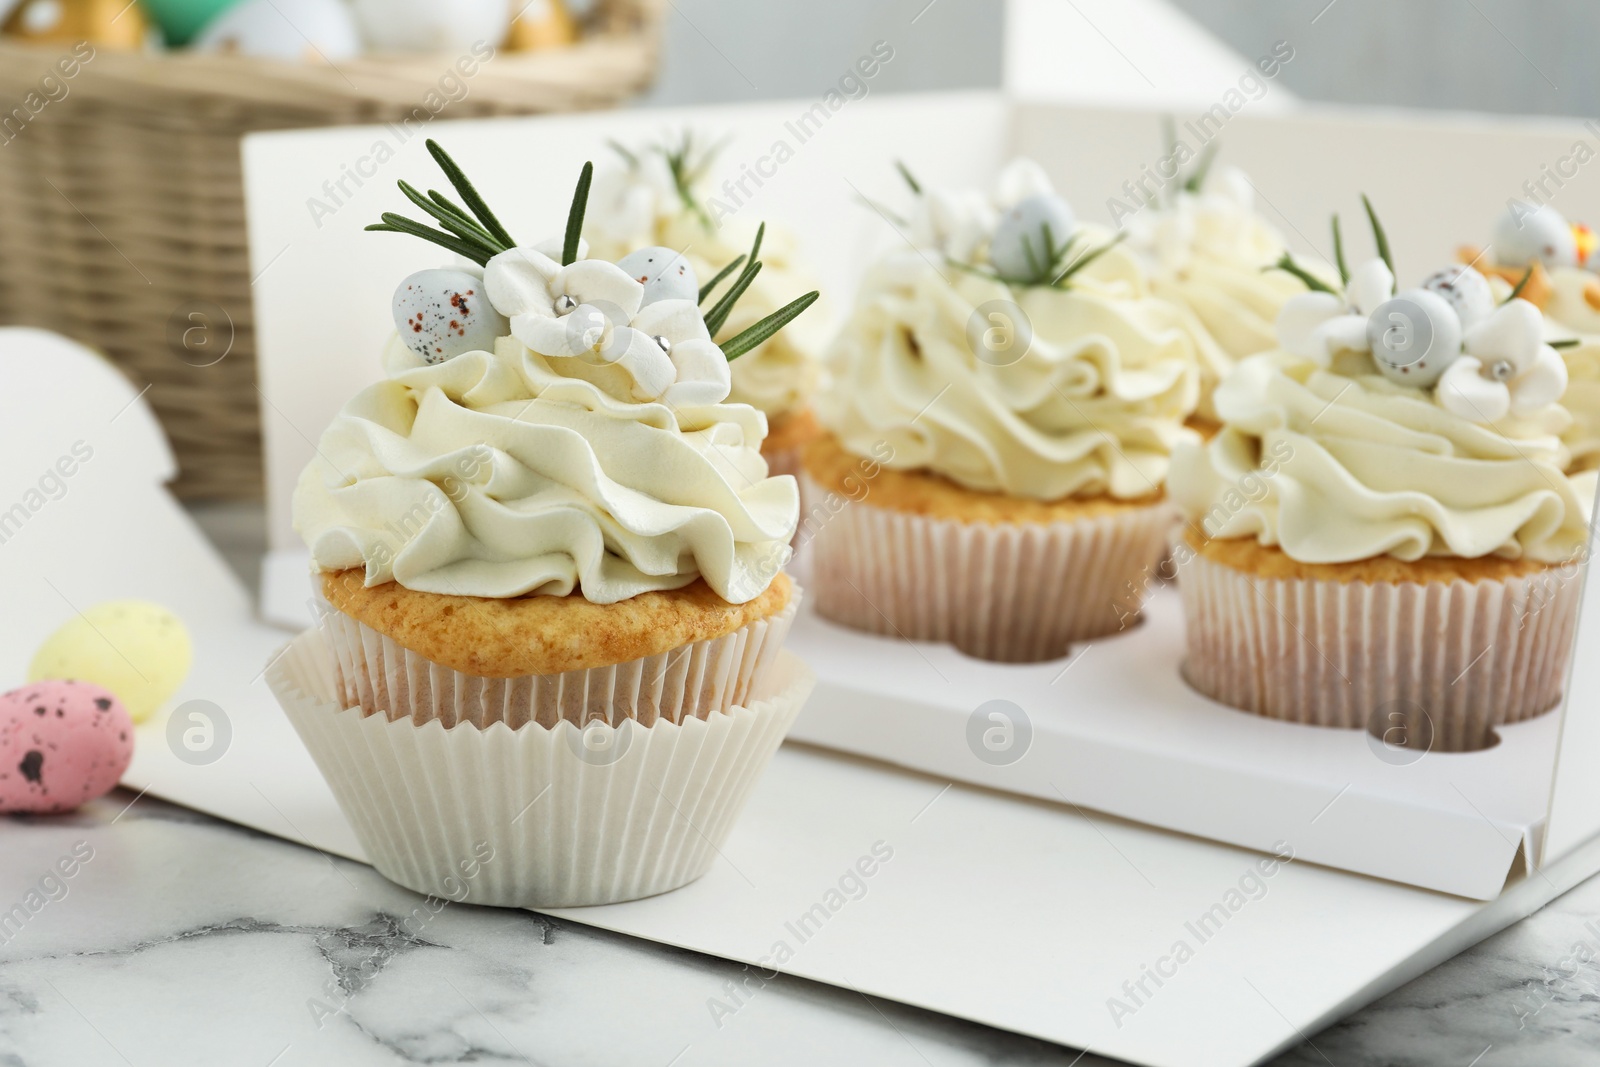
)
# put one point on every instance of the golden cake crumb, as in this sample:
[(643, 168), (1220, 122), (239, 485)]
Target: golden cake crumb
[(509, 637), (790, 430), (1269, 561), (833, 467)]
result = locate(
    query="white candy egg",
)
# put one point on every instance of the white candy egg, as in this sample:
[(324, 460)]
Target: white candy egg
[(663, 272), (1466, 290), (1525, 233), (1414, 337), (296, 31), (1022, 230), (432, 26), (443, 313)]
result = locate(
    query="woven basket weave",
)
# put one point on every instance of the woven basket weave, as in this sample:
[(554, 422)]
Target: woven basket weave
[(122, 203)]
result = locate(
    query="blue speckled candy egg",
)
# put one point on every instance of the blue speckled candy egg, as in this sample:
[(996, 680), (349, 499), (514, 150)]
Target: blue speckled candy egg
[(1022, 229), (663, 272), (443, 313)]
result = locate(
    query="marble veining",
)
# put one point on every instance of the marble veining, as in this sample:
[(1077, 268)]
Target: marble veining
[(178, 939)]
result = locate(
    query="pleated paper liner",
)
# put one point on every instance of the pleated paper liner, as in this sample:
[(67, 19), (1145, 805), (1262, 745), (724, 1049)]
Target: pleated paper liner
[(537, 817), (1016, 593), (377, 673), (1430, 665)]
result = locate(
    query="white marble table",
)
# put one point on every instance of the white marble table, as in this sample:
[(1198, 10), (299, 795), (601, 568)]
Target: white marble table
[(184, 940)]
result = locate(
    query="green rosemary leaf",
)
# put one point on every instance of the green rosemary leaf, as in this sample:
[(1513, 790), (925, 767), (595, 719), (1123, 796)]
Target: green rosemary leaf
[(717, 317), (1034, 268), (905, 172), (1197, 177), (1087, 258), (467, 230), (1521, 285), (451, 206), (744, 341), (705, 290), (1566, 342), (1379, 238), (622, 150), (401, 224), (755, 249), (580, 203), (1313, 282), (469, 194), (1338, 252), (973, 268)]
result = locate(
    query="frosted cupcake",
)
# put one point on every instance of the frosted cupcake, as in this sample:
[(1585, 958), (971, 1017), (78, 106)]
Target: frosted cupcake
[(1539, 256), (654, 197), (1383, 534), (1003, 404), (1211, 252), (549, 554)]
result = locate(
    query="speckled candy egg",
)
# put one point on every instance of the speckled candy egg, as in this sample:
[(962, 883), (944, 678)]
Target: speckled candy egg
[(1022, 229), (663, 272), (432, 26), (443, 313), (1528, 233), (139, 651), (62, 744), (1465, 290), (1414, 337)]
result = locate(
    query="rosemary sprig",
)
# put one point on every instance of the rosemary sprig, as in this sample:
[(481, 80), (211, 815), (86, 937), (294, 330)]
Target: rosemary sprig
[(1087, 258), (1527, 275), (1314, 283), (479, 238), (580, 204), (1566, 342), (1202, 167), (911, 181), (1338, 252), (468, 193), (717, 317), (1379, 238), (745, 340), (705, 290)]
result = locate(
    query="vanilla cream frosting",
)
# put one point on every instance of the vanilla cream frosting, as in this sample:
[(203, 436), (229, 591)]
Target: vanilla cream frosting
[(1095, 406), (641, 207), (1570, 317), (1337, 463), (1207, 252), (581, 454)]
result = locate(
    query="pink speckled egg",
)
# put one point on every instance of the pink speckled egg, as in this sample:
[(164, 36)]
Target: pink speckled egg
[(62, 744)]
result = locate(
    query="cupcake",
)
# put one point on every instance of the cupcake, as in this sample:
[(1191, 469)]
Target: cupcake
[(1384, 534), (654, 197), (1209, 251), (548, 557), (1002, 406), (1540, 257)]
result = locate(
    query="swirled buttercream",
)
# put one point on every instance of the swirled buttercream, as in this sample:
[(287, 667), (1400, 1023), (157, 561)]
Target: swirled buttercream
[(1094, 406), (1337, 463), (504, 473)]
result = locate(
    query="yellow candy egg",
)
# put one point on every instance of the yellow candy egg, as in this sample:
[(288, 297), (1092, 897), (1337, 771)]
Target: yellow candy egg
[(138, 650)]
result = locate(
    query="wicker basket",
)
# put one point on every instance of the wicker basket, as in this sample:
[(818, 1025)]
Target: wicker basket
[(122, 203)]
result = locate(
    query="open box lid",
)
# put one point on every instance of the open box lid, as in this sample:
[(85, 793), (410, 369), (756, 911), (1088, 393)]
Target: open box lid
[(1234, 778)]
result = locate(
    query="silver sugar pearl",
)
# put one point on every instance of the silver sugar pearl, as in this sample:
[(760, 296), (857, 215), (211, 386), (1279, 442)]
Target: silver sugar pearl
[(565, 305), (1502, 370), (666, 345)]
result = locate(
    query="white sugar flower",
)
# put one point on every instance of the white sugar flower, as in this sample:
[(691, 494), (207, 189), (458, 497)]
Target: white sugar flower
[(585, 309), (1505, 367), (1317, 325)]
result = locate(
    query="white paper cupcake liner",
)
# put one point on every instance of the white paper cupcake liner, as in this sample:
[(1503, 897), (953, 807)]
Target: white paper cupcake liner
[(537, 817), (693, 681), (1433, 665), (1014, 593)]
